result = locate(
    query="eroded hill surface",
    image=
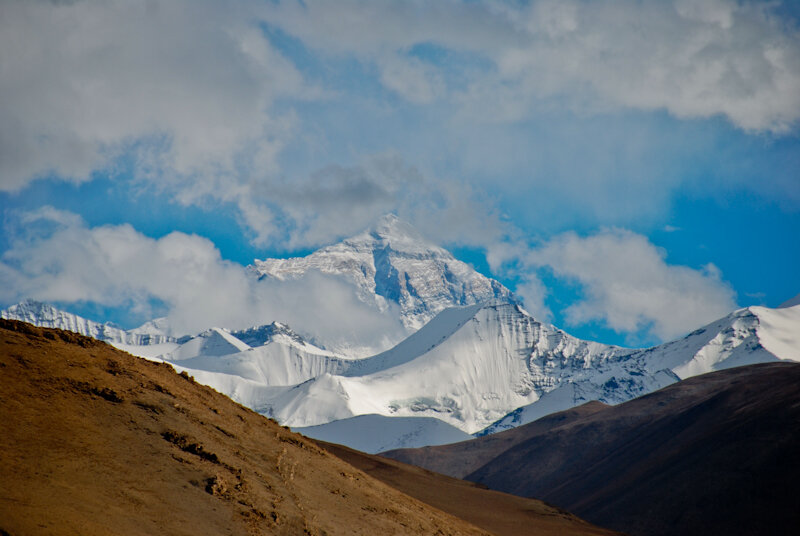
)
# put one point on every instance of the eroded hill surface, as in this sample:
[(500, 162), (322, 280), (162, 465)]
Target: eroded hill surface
[(500, 513), (96, 441)]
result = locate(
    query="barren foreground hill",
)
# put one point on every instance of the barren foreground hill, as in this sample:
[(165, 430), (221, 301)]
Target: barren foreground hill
[(712, 454), (96, 441), (501, 513)]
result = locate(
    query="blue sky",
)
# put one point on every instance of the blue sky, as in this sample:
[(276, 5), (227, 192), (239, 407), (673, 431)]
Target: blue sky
[(632, 169)]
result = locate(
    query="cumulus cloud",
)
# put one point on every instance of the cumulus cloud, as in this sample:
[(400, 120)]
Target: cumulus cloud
[(185, 92), (117, 266), (629, 286), (86, 81), (534, 295), (695, 59)]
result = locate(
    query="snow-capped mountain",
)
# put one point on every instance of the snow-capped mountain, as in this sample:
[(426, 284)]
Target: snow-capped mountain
[(469, 367), (276, 331), (478, 368), (284, 359), (474, 364), (480, 363), (392, 263), (214, 342), (744, 337), (42, 314)]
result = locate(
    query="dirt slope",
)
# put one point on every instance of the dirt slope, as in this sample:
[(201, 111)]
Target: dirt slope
[(499, 513), (714, 454), (95, 441)]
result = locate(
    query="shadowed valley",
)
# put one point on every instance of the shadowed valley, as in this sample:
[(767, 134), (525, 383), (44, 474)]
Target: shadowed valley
[(713, 454)]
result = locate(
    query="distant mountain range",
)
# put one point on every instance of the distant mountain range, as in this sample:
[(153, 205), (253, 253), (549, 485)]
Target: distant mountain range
[(47, 316), (480, 363)]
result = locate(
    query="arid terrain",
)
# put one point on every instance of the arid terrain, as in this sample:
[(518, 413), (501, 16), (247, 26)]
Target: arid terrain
[(714, 454), (500, 513), (100, 442)]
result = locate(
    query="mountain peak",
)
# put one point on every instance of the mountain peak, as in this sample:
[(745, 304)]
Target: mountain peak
[(391, 263), (395, 233), (29, 304), (390, 225)]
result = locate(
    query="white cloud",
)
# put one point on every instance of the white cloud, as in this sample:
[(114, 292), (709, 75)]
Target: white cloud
[(411, 78), (695, 59), (339, 201), (629, 285), (117, 266), (368, 29), (534, 294), (188, 90), (84, 81), (719, 12)]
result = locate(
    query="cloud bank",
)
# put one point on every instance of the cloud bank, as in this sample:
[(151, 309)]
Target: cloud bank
[(198, 100), (627, 283), (692, 58), (182, 91), (61, 259)]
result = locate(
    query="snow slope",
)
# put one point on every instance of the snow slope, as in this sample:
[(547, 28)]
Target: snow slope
[(744, 337), (376, 433), (392, 263), (212, 342), (469, 367), (274, 363)]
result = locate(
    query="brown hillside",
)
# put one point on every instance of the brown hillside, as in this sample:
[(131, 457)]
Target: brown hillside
[(500, 513), (713, 454), (460, 459), (96, 441)]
